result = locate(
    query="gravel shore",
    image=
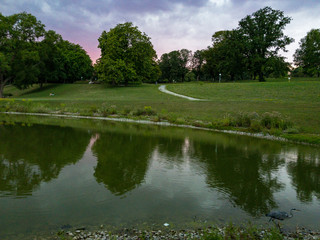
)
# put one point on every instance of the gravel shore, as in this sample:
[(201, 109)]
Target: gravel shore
[(208, 233)]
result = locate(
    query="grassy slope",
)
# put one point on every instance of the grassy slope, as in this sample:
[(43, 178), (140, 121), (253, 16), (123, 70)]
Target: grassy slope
[(300, 100)]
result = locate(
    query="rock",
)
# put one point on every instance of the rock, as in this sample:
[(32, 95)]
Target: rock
[(81, 228)]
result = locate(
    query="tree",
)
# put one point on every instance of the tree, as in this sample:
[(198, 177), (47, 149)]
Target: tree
[(225, 56), (264, 37), (307, 56), (197, 63), (127, 56), (62, 61), (276, 67), (18, 50), (50, 58), (175, 65), (75, 62)]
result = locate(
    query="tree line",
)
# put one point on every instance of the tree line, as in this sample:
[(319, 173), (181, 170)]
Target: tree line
[(29, 54)]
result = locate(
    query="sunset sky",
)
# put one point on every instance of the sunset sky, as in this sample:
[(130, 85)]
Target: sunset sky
[(171, 24)]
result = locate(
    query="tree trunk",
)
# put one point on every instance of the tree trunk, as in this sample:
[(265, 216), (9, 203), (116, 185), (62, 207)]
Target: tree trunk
[(3, 83), (261, 78), (1, 91), (232, 77)]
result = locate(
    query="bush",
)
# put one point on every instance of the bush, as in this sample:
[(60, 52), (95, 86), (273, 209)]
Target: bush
[(147, 110), (272, 122), (275, 120), (105, 110)]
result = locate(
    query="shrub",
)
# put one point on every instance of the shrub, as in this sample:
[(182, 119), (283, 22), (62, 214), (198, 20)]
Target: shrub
[(275, 120), (147, 110)]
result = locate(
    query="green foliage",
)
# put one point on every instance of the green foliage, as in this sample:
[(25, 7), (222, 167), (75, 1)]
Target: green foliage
[(212, 235), (226, 56), (256, 123), (190, 77), (263, 37), (276, 67), (18, 50), (174, 65), (198, 61), (275, 120), (127, 56), (307, 56), (73, 63), (146, 111)]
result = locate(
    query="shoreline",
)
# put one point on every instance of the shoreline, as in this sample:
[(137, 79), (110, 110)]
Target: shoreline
[(228, 231), (162, 123)]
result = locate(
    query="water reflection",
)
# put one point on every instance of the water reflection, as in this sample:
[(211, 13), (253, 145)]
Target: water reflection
[(242, 169), (122, 160), (30, 155), (304, 169)]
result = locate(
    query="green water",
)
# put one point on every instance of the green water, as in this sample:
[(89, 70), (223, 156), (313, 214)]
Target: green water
[(60, 172)]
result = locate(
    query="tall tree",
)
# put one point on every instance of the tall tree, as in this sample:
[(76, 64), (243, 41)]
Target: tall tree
[(175, 65), (50, 58), (264, 37), (18, 50), (76, 63), (127, 56), (62, 61), (277, 67), (307, 56), (226, 55), (197, 63)]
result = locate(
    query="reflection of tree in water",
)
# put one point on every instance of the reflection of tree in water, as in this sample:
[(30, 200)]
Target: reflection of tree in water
[(172, 148), (30, 155), (122, 160), (305, 174), (243, 171)]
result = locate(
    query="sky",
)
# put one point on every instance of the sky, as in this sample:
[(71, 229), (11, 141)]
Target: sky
[(171, 24)]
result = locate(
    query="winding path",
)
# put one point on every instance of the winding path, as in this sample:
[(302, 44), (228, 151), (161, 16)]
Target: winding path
[(163, 89)]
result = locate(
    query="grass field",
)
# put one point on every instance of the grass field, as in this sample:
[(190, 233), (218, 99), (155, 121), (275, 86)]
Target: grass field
[(299, 100)]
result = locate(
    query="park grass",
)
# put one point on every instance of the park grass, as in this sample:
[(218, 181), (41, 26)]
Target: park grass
[(296, 102)]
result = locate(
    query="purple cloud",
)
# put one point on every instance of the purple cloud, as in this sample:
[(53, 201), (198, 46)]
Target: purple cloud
[(171, 24)]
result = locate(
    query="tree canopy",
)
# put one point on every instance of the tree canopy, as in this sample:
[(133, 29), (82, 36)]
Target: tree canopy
[(263, 37), (248, 51), (174, 65), (18, 52), (226, 56), (127, 56), (307, 56), (62, 61)]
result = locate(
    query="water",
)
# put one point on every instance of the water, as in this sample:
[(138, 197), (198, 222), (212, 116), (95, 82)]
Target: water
[(54, 175)]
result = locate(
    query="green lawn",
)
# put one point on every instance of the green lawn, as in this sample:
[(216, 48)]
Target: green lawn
[(298, 99)]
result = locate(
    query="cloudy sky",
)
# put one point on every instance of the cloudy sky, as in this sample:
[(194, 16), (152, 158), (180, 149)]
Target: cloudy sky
[(171, 24)]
